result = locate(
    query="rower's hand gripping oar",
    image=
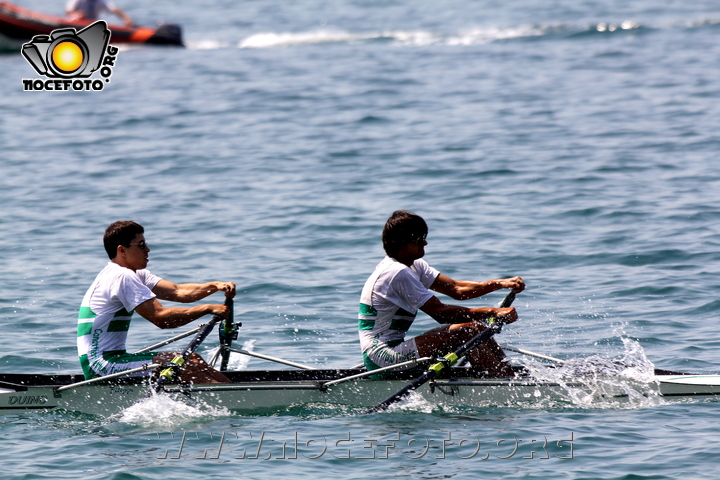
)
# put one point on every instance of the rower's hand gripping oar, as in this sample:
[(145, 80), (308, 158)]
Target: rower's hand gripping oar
[(172, 369), (493, 326)]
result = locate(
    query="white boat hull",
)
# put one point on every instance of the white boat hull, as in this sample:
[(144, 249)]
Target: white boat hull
[(268, 395)]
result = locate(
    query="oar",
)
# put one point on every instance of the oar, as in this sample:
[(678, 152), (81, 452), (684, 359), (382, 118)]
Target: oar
[(177, 363), (228, 332), (533, 354), (506, 302), (493, 327)]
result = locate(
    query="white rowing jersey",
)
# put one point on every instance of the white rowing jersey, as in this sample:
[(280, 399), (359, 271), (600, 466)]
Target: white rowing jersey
[(106, 312), (390, 300)]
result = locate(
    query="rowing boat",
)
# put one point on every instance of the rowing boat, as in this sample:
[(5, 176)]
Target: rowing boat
[(20, 24), (276, 390), (255, 391)]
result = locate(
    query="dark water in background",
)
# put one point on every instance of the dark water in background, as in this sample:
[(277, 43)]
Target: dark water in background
[(572, 143)]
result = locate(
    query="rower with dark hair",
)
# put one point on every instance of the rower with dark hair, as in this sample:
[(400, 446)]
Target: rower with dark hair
[(400, 286), (125, 286)]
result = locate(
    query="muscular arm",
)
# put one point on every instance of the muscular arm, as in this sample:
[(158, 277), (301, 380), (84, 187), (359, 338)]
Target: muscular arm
[(74, 14), (191, 292), (443, 313), (164, 317), (464, 290), (125, 17)]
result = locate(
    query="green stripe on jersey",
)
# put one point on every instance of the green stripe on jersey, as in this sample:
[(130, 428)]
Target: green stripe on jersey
[(400, 324), (365, 324), (368, 310), (119, 326), (84, 329), (85, 365), (401, 312), (120, 357), (85, 313)]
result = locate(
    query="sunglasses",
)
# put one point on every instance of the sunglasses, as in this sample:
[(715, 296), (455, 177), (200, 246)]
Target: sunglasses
[(419, 239), (142, 245)]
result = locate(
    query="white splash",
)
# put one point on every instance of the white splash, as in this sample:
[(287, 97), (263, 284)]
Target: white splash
[(161, 410), (400, 37), (269, 40), (414, 402), (599, 382), (611, 27), (206, 44), (237, 361), (480, 36)]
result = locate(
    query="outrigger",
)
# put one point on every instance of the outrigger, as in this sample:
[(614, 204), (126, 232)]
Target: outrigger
[(276, 390)]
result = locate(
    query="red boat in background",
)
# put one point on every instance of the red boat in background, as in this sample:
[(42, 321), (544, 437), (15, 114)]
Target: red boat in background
[(21, 24)]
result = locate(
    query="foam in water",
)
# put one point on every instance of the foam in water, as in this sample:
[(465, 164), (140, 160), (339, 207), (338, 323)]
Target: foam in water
[(414, 402), (611, 27), (162, 410), (166, 411), (205, 44), (269, 40), (597, 381), (401, 37), (474, 36)]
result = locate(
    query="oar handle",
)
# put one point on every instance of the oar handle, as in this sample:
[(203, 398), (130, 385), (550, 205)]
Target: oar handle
[(228, 332), (508, 300)]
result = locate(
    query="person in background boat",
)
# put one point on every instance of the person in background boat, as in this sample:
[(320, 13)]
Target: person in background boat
[(91, 10), (125, 286), (401, 285)]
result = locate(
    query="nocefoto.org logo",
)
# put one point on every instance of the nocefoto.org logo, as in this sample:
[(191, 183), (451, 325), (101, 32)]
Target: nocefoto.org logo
[(67, 58)]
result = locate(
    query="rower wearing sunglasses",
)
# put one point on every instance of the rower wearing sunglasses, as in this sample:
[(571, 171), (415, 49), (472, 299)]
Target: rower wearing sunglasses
[(401, 285), (125, 286)]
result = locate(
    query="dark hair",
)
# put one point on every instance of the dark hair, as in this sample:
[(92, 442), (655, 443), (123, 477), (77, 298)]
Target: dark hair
[(400, 229), (120, 233)]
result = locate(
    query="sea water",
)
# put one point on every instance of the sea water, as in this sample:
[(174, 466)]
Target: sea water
[(573, 143)]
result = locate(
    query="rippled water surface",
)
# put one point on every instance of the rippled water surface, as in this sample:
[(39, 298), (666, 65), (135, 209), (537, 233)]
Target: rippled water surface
[(573, 143)]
